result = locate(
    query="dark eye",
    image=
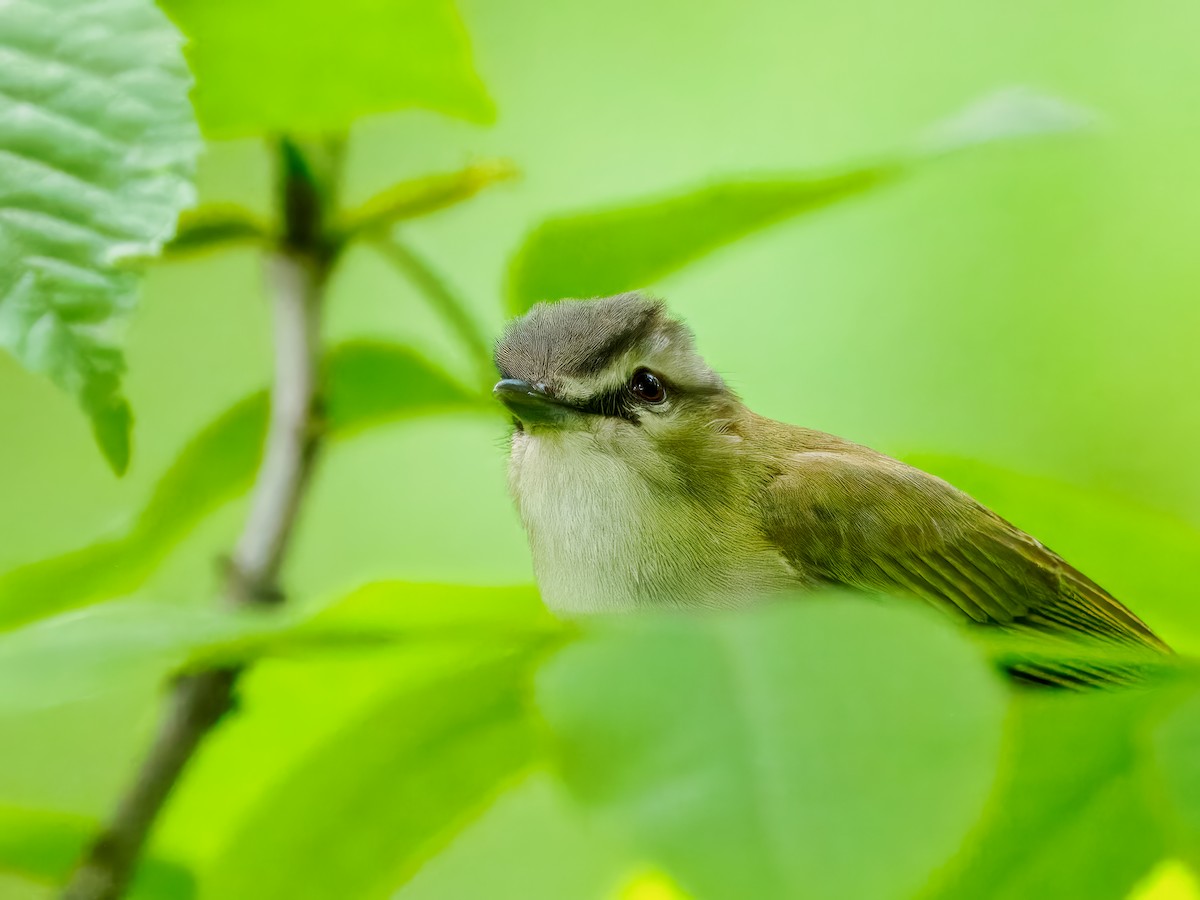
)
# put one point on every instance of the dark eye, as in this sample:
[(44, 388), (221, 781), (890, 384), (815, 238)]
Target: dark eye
[(646, 387)]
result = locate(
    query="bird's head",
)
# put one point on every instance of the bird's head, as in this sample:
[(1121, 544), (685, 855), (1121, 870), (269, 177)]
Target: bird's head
[(618, 368)]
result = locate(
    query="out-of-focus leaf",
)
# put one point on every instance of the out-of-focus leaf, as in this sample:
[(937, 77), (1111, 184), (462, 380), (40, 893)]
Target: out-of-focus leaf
[(1071, 818), (366, 383), (816, 749), (296, 702), (650, 885), (94, 651), (1176, 749), (634, 245), (97, 153), (43, 847), (422, 196), (88, 653), (1169, 880), (387, 613), (305, 66), (387, 790), (1148, 559), (443, 299), (215, 225), (383, 606), (1008, 114)]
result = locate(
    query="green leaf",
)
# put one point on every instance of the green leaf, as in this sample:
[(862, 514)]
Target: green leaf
[(381, 607), (44, 846), (422, 196), (1071, 817), (1175, 745), (97, 154), (294, 703), (215, 225), (366, 383), (634, 245), (305, 66), (391, 788), (73, 657), (383, 614), (815, 749)]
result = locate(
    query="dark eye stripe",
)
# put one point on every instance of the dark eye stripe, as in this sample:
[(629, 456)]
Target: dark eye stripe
[(613, 403)]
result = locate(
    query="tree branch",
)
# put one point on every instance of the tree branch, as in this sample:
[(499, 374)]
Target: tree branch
[(299, 271)]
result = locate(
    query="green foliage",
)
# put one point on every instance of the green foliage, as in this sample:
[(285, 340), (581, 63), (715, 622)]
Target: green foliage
[(71, 658), (113, 645), (370, 382), (407, 774), (1175, 745), (634, 245), (747, 752), (318, 683), (214, 225), (484, 613), (310, 67), (422, 196), (1073, 780), (821, 748), (615, 250), (44, 846), (99, 147), (367, 383)]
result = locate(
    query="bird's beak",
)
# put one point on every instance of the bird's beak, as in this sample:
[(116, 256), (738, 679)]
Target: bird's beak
[(532, 403)]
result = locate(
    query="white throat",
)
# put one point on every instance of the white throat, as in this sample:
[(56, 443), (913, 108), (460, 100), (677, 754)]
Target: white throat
[(604, 540)]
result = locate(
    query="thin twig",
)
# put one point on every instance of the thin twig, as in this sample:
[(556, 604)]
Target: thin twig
[(447, 303), (197, 703)]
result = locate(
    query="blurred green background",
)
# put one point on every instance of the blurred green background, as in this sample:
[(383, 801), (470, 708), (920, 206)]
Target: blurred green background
[(1032, 308)]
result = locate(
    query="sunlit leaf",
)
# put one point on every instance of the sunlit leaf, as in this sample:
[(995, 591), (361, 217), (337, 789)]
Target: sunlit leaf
[(79, 655), (490, 613), (422, 196), (633, 245), (1176, 749), (94, 651), (97, 153), (308, 66), (44, 846), (212, 226), (1169, 880), (365, 809), (650, 885), (299, 697), (816, 749), (1071, 817), (366, 383)]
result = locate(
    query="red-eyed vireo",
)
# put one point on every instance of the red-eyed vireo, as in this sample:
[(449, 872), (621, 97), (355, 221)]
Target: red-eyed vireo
[(643, 481)]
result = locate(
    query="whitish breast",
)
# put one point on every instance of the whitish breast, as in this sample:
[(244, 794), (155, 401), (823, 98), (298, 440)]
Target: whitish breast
[(603, 539)]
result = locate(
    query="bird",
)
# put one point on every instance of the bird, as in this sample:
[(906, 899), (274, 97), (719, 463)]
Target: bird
[(644, 482)]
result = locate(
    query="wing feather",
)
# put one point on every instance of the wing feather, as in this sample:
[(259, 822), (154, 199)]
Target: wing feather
[(850, 516)]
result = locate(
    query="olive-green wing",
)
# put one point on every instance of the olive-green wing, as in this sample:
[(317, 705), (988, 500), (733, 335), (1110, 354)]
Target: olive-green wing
[(854, 517)]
